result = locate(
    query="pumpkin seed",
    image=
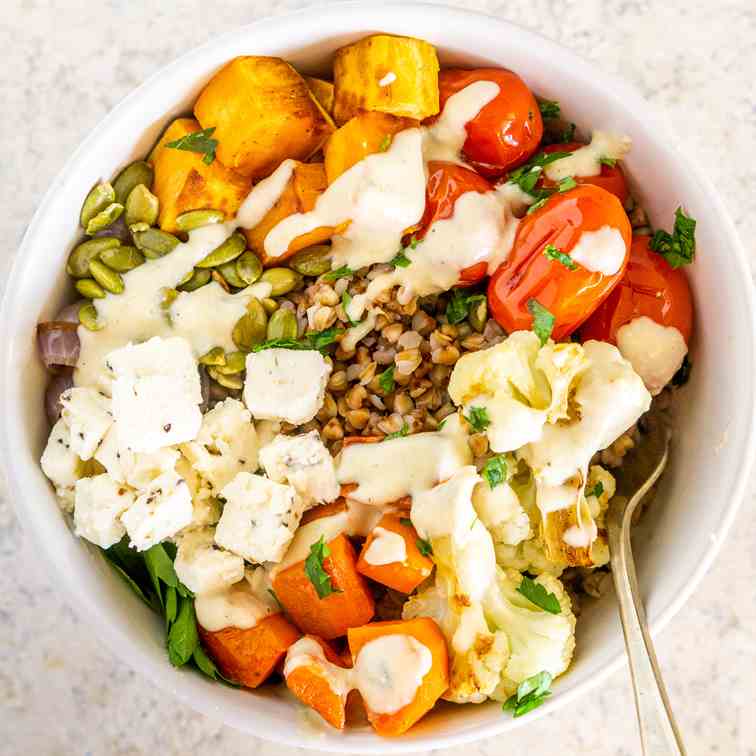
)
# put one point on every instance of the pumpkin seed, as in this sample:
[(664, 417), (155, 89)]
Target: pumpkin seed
[(142, 206), (282, 325), (135, 228), (249, 267), (228, 381), (80, 257), (122, 259), (236, 362), (269, 305), (478, 315), (218, 278), (251, 328), (155, 243), (104, 218), (89, 288), (216, 356), (132, 175), (100, 196), (312, 261), (195, 218), (228, 271), (282, 280), (168, 296), (88, 317), (224, 253), (107, 278), (195, 280)]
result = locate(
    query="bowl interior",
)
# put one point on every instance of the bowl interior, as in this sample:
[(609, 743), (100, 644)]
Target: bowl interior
[(713, 444)]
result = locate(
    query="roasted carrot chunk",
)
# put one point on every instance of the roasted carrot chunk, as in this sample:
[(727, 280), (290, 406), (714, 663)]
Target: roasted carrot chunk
[(350, 604), (434, 683), (404, 575), (250, 656)]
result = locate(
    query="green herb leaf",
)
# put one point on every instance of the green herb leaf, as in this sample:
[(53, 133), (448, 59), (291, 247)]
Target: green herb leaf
[(596, 491), (319, 340), (323, 339), (406, 522), (198, 141), (183, 638), (495, 471), (346, 299), (526, 176), (149, 600), (531, 693), (682, 376), (385, 143), (315, 572), (207, 666), (538, 595), (400, 260), (281, 344), (478, 419), (171, 606), (343, 272), (403, 431), (552, 253), (568, 135), (566, 184), (679, 247), (539, 204), (543, 320), (549, 108), (458, 307), (424, 547), (609, 162), (386, 380)]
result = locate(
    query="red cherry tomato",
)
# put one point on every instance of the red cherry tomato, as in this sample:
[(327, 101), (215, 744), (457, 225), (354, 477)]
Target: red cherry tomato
[(570, 295), (650, 287), (611, 178), (447, 182), (507, 131)]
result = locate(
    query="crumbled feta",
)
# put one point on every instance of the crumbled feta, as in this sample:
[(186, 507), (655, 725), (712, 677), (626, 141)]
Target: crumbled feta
[(304, 463), (206, 508), (160, 512), (114, 459), (88, 416), (99, 503), (285, 384), (204, 568), (259, 518), (156, 392), (225, 445), (60, 464)]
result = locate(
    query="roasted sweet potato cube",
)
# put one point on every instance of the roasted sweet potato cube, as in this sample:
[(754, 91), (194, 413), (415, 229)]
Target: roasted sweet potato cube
[(391, 74), (183, 181), (263, 112), (322, 91)]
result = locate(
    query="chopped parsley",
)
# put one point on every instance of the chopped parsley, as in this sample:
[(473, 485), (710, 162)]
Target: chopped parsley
[(596, 491), (539, 204), (458, 307), (566, 184), (400, 260), (549, 108), (478, 418), (318, 340), (343, 272), (538, 595), (198, 141), (424, 547), (495, 471), (403, 431), (405, 521), (552, 253), (315, 571), (385, 143), (346, 299), (386, 380), (526, 176), (543, 320), (609, 162), (679, 247), (530, 694)]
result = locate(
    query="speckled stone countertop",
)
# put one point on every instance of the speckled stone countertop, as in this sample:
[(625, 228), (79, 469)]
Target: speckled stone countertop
[(64, 64)]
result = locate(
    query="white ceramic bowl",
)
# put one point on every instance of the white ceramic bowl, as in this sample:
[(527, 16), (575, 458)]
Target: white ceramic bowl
[(714, 445)]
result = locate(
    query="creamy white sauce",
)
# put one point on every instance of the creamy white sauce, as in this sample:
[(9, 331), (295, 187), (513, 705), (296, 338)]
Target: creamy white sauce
[(656, 352), (600, 251), (236, 606), (586, 161), (386, 547), (307, 652), (389, 78), (580, 536), (264, 195)]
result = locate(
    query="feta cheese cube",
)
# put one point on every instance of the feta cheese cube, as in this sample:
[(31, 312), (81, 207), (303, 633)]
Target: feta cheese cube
[(225, 445), (161, 511), (259, 518), (99, 503), (60, 464), (204, 568), (88, 416), (304, 463), (206, 509), (115, 460), (285, 384)]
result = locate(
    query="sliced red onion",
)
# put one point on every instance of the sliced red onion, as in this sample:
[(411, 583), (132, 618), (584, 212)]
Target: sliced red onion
[(118, 229), (59, 383), (70, 313), (58, 343), (205, 388)]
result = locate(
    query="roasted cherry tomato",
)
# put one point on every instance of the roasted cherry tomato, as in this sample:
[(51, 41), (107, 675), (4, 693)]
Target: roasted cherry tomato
[(507, 131), (447, 182), (650, 287), (569, 292), (611, 178)]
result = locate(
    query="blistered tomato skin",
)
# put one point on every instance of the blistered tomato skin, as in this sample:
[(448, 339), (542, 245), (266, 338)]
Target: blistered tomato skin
[(507, 131), (650, 287), (570, 295), (611, 178)]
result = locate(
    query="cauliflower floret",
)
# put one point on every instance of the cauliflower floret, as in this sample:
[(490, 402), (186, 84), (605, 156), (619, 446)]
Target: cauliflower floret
[(538, 640), (501, 512)]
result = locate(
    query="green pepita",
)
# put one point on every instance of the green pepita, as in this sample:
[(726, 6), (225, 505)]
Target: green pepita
[(109, 279), (135, 228), (142, 206), (226, 252), (269, 305), (168, 297), (155, 243), (218, 278), (251, 328), (228, 271), (79, 259), (104, 218), (236, 362), (478, 315), (196, 218), (282, 280), (88, 317), (216, 356), (282, 325), (312, 261), (132, 175), (89, 288), (122, 259), (195, 280), (99, 197), (227, 381)]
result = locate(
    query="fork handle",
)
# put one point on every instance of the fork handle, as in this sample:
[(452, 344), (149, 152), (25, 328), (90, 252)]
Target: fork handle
[(658, 730)]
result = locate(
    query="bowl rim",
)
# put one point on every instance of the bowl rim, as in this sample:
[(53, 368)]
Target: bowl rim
[(105, 627)]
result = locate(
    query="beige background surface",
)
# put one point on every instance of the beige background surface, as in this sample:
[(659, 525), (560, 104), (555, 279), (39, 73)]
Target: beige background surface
[(65, 63)]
